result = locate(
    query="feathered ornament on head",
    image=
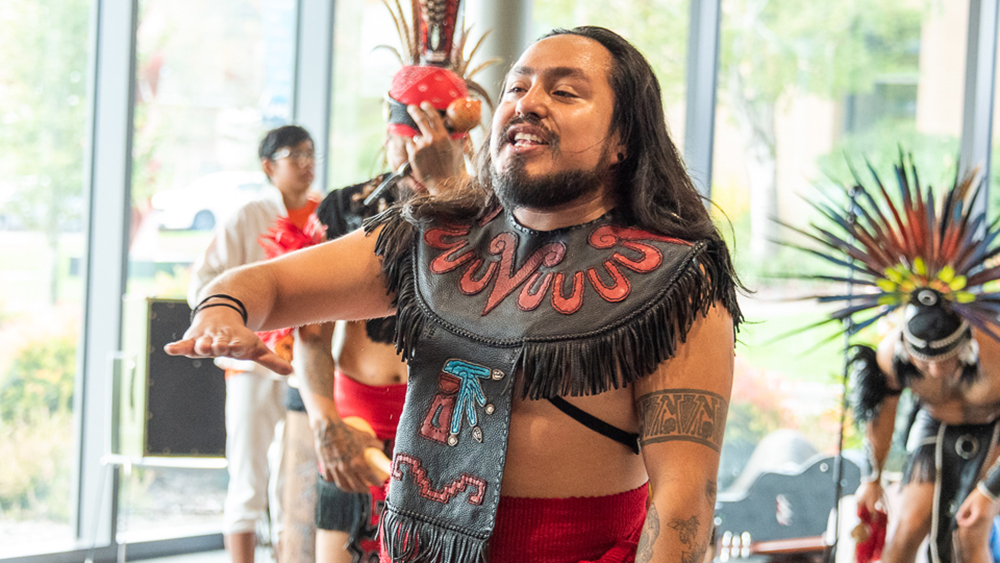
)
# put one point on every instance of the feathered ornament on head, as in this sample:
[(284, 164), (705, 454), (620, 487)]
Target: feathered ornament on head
[(934, 258), (435, 67)]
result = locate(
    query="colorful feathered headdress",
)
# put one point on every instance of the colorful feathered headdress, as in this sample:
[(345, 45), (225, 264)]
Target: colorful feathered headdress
[(435, 67), (912, 251)]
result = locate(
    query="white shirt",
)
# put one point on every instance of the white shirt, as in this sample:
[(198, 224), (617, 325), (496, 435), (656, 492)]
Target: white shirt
[(235, 244)]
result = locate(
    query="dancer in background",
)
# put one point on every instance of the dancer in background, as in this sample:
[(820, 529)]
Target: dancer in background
[(925, 261)]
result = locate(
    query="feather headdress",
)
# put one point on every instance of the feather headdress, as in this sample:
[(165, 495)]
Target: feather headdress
[(436, 68), (897, 248)]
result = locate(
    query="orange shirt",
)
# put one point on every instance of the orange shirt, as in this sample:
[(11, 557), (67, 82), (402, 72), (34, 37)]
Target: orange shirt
[(299, 217)]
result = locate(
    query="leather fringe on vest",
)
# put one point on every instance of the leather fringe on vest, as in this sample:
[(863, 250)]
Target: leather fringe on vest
[(608, 359)]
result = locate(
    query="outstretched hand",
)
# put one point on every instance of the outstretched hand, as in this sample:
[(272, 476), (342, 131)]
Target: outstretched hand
[(220, 332)]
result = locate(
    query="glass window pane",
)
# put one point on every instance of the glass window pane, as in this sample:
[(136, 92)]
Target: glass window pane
[(43, 121), (801, 85), (658, 28), (361, 77), (212, 78)]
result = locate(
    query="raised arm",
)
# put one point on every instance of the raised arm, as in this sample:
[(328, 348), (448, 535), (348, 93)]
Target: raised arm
[(340, 279), (682, 411)]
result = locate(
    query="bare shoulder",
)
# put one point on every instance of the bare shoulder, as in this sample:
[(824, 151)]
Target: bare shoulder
[(700, 375), (704, 357)]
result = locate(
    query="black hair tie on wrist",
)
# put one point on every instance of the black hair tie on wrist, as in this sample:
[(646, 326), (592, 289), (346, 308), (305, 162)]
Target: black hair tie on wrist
[(239, 307)]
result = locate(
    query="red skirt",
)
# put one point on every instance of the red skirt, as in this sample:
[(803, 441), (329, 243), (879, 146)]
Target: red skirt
[(569, 530)]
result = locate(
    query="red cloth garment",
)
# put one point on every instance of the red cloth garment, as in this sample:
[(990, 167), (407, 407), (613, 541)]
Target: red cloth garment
[(869, 547), (569, 530), (379, 406), (298, 230), (285, 236), (413, 85), (301, 217)]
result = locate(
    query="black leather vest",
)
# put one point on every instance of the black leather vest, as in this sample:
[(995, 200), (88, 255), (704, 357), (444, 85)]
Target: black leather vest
[(488, 308)]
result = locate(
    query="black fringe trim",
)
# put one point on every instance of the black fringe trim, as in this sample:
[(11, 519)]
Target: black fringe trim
[(395, 245), (870, 385), (639, 344), (920, 466), (590, 364), (408, 540)]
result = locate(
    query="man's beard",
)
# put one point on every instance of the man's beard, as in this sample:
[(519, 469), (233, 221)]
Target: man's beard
[(515, 188)]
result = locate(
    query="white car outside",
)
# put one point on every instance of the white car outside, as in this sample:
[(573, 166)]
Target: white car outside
[(208, 200)]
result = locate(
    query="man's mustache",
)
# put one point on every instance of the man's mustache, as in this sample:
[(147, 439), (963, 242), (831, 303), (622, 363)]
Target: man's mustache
[(530, 119)]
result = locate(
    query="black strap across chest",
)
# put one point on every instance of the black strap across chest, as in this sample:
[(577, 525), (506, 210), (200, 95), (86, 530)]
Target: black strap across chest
[(629, 439)]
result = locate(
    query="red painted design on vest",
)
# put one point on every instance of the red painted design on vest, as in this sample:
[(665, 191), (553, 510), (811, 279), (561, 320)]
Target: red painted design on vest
[(438, 418), (505, 277), (619, 288), (470, 284), (426, 488), (562, 303), (529, 300), (508, 278), (450, 258), (608, 236)]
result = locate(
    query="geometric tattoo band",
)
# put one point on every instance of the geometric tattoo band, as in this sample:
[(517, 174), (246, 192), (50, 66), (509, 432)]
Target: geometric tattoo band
[(692, 415)]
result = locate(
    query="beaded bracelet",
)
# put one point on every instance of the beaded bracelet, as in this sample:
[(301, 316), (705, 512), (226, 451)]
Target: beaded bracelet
[(239, 307)]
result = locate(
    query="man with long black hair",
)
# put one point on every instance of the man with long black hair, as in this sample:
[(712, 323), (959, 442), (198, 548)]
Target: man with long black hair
[(568, 323)]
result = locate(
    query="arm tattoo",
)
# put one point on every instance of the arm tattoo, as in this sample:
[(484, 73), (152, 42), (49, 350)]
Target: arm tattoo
[(691, 415), (338, 443), (696, 555), (650, 531), (687, 529)]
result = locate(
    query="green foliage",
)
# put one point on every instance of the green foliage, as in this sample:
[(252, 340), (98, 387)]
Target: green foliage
[(36, 422), (44, 109), (39, 383), (827, 48), (936, 156), (658, 28), (175, 284), (357, 126), (35, 468), (199, 81)]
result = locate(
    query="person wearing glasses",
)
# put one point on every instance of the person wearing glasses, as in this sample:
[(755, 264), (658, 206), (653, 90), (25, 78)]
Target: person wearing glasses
[(254, 394)]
